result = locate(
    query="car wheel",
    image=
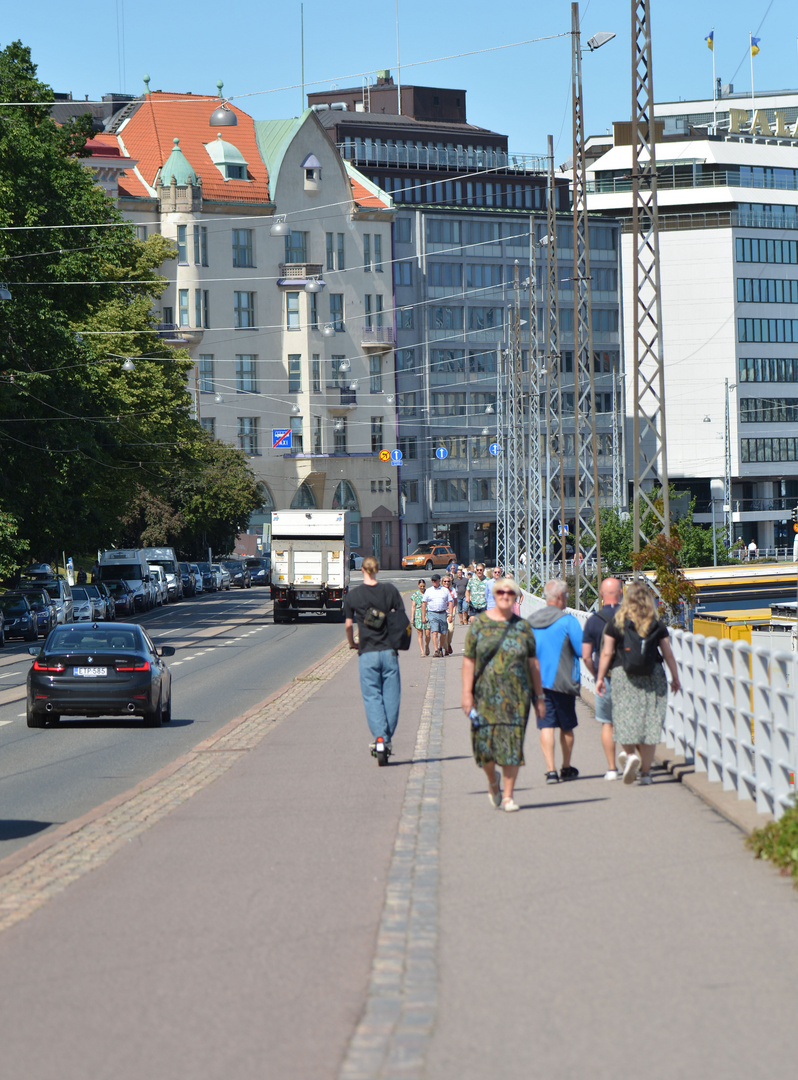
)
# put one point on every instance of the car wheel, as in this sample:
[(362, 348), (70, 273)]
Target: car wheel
[(155, 718), (33, 720), (167, 712), (428, 564)]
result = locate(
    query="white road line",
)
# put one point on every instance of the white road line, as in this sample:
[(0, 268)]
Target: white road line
[(4, 722), (10, 674), (175, 663)]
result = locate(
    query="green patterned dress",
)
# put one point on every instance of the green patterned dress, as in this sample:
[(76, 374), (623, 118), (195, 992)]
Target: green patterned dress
[(418, 621), (503, 692)]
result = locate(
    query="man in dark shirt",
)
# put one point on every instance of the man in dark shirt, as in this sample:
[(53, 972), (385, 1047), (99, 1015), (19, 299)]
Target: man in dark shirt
[(611, 593), (378, 662)]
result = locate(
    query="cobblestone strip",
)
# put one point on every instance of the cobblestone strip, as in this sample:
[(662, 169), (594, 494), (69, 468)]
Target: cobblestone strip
[(27, 887), (391, 1039)]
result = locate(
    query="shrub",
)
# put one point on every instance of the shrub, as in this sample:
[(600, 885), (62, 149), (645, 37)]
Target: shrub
[(778, 842)]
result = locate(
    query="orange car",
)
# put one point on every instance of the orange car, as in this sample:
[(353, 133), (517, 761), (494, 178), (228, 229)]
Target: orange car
[(428, 556)]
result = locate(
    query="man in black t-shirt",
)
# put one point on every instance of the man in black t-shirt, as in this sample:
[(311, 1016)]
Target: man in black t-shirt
[(611, 593), (378, 662)]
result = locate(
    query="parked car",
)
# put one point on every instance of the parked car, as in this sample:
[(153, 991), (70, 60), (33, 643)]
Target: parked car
[(44, 606), (161, 585), (2, 629), (99, 593), (429, 555), (61, 592), (19, 616), (208, 577), (198, 586), (99, 670), (123, 597), (188, 579), (260, 570), (355, 561), (85, 608), (223, 575), (239, 575)]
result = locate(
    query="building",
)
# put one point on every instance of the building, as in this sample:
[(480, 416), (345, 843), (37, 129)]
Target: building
[(289, 324), (728, 213), (466, 208)]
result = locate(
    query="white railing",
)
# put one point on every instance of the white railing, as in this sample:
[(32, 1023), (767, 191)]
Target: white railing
[(735, 718)]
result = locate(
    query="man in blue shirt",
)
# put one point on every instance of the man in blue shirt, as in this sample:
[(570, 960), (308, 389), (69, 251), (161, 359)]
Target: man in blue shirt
[(558, 643)]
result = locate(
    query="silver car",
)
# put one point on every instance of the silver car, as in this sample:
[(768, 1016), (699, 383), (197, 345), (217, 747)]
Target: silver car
[(61, 592)]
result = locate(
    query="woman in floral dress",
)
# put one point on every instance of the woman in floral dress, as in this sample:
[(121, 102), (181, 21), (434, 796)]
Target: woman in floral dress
[(417, 617), (501, 677)]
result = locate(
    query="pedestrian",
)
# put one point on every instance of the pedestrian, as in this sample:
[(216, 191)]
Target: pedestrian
[(495, 574), (638, 699), (476, 592), (447, 584), (460, 584), (611, 593), (82, 576), (558, 640), (417, 617), (437, 606), (752, 550), (378, 662), (501, 677)]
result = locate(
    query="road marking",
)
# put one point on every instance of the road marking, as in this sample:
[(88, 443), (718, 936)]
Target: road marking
[(4, 722), (175, 663)]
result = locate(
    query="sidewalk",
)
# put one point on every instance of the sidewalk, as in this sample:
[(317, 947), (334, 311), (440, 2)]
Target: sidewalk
[(309, 915)]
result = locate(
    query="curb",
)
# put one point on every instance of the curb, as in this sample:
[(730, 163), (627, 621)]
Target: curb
[(18, 858), (742, 813)]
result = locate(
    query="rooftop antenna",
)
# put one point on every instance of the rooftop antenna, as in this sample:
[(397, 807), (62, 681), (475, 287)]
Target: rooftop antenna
[(398, 66)]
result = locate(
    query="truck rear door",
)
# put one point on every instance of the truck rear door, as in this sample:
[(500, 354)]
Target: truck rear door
[(335, 568)]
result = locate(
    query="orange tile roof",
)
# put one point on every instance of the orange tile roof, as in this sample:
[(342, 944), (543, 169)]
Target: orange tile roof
[(363, 197), (129, 184), (149, 133)]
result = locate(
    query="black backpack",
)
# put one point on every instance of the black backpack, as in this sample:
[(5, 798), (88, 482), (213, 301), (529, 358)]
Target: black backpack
[(640, 655)]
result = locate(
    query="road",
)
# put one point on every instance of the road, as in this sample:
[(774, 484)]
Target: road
[(229, 656)]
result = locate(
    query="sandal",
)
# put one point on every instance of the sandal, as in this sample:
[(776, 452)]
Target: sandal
[(495, 795), (510, 805)]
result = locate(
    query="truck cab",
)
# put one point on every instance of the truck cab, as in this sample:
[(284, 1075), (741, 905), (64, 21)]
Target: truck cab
[(310, 563)]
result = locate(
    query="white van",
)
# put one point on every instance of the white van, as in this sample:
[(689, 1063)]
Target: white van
[(167, 560), (161, 588), (130, 565)]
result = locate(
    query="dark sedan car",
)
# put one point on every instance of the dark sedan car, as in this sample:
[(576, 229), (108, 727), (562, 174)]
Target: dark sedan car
[(44, 606), (20, 618), (260, 570), (98, 669), (188, 577), (239, 575), (123, 597)]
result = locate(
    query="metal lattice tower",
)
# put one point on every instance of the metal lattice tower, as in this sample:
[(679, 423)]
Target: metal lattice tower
[(649, 437), (501, 460), (617, 450), (535, 531), (586, 531), (555, 476), (512, 471)]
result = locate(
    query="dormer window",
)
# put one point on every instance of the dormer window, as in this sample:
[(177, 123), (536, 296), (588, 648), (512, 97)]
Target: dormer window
[(311, 167), (227, 158), (236, 172)]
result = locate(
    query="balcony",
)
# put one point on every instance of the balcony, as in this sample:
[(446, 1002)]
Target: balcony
[(175, 335), (379, 338), (298, 273), (348, 397)]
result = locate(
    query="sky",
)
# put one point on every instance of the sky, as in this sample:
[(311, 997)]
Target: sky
[(91, 47)]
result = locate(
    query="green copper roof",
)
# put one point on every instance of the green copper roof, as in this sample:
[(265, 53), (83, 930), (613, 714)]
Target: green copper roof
[(274, 137), (177, 166)]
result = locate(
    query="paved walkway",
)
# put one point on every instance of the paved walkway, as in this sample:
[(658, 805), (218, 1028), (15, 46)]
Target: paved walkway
[(309, 915)]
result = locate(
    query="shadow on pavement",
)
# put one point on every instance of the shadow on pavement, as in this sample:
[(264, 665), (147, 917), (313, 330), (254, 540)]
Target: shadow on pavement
[(16, 830), (77, 723)]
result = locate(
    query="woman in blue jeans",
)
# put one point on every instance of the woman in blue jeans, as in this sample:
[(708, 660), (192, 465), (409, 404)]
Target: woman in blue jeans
[(378, 662)]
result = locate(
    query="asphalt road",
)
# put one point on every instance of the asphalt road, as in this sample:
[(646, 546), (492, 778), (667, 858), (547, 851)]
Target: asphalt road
[(229, 657)]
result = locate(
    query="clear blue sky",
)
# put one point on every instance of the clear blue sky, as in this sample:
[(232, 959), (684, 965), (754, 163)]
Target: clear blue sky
[(523, 92)]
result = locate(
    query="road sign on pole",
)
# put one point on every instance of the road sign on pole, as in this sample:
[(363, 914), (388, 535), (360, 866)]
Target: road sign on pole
[(441, 453), (494, 448), (396, 457), (385, 455), (281, 438)]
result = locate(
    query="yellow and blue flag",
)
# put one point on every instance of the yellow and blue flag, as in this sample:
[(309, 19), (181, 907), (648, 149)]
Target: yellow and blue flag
[(755, 45), (710, 40)]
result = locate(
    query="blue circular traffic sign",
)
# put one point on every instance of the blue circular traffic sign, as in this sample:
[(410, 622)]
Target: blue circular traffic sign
[(494, 448), (441, 453), (396, 456)]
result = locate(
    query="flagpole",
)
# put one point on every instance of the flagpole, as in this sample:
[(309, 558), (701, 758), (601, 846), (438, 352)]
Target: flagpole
[(714, 88), (751, 54)]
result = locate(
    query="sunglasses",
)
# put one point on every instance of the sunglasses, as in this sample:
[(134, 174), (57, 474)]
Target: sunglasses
[(503, 592)]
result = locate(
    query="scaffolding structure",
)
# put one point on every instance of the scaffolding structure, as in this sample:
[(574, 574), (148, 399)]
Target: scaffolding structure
[(554, 517), (534, 541), (512, 468), (648, 424)]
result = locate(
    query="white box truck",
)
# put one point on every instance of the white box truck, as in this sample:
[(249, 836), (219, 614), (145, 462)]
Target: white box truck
[(310, 562), (167, 560)]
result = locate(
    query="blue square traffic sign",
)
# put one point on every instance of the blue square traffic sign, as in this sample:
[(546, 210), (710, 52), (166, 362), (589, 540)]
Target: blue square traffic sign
[(281, 438)]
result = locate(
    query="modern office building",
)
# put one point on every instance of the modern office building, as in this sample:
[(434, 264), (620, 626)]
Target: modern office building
[(728, 213), (466, 208), (288, 322)]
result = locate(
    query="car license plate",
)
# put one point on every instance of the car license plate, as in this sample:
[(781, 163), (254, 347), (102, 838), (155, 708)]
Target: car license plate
[(91, 672), (308, 595)]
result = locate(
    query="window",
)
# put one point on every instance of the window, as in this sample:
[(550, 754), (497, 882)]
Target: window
[(313, 306), (457, 447), (242, 247), (410, 490), (402, 230), (406, 405), (182, 245), (767, 330), (205, 374), (482, 363), (315, 373), (296, 247), (344, 497), (768, 449), (317, 435), (246, 374), (375, 374), (768, 410), (605, 278), (767, 291), (406, 360), (376, 434), (773, 369), (443, 231), (601, 239), (201, 308), (379, 301), (336, 375), (341, 260), (294, 373), (378, 253), (292, 310), (445, 404), (330, 239), (339, 431), (168, 316), (767, 251), (485, 318), (483, 489), (244, 310), (406, 318), (236, 172), (335, 251), (208, 423), (141, 232), (367, 324), (366, 252), (408, 444), (447, 361), (248, 435), (337, 311), (480, 402), (201, 245), (297, 444), (403, 273), (481, 276), (304, 498), (445, 318), (450, 490), (445, 274), (182, 303), (605, 320), (354, 534)]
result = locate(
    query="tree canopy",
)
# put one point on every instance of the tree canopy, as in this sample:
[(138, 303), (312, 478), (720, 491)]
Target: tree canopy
[(91, 454)]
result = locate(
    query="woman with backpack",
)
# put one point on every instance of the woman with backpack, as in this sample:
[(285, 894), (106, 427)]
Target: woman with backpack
[(639, 686)]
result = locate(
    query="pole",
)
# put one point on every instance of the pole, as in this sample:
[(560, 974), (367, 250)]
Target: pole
[(714, 537), (302, 54), (727, 507), (398, 67), (751, 58), (714, 89)]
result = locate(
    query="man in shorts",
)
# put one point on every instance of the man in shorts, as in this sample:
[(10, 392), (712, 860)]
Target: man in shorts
[(436, 607), (558, 644), (611, 593), (460, 584), (476, 593)]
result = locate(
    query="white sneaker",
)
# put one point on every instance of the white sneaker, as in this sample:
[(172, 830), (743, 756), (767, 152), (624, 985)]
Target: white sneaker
[(611, 774), (630, 768), (510, 806), (620, 757)]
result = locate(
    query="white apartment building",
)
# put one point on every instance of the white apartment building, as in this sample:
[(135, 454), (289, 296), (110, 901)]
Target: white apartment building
[(728, 208), (282, 292)]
